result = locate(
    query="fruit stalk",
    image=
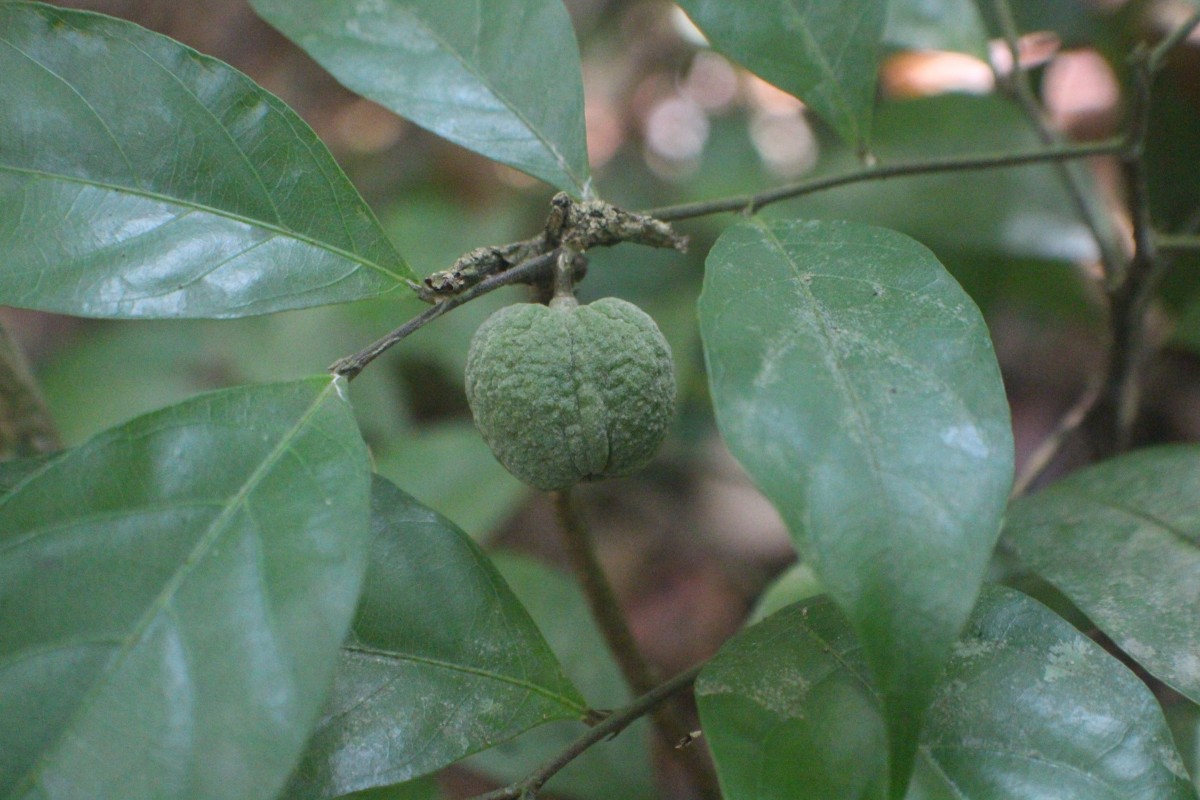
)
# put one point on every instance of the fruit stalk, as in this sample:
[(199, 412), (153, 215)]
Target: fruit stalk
[(602, 601)]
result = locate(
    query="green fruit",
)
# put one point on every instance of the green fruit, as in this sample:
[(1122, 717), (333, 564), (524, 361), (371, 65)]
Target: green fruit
[(568, 393)]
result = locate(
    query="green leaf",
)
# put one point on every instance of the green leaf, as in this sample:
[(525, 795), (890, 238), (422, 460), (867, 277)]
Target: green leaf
[(619, 768), (1184, 719), (1121, 539), (15, 472), (936, 25), (174, 592), (139, 178), (1027, 707), (442, 660), (789, 711), (856, 383), (824, 53), (1023, 679), (798, 582), (500, 77)]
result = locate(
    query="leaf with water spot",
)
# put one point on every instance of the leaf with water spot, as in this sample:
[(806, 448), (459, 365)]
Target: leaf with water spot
[(1121, 539), (1027, 707), (856, 383)]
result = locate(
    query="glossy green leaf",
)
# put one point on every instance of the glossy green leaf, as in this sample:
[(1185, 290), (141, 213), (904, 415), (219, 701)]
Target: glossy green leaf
[(499, 77), (618, 769), (824, 53), (856, 383), (442, 660), (1028, 707), (139, 178), (174, 592), (1121, 539), (936, 25), (789, 710)]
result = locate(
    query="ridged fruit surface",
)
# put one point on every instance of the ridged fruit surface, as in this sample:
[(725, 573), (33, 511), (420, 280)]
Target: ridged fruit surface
[(568, 393)]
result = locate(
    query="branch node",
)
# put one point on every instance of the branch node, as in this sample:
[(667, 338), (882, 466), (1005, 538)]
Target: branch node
[(576, 225)]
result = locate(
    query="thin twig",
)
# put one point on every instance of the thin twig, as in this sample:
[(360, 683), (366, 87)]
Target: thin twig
[(1112, 418), (350, 366), (602, 601), (1177, 242), (537, 267), (754, 202), (611, 726), (1074, 180), (1043, 455), (1158, 55), (1133, 162), (1185, 239)]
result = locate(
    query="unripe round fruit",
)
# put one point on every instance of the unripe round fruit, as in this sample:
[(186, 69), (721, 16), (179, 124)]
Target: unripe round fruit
[(567, 393)]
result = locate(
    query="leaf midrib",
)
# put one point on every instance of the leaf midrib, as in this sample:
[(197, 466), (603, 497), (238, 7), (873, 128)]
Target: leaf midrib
[(86, 103), (547, 144), (1020, 756), (503, 98), (823, 65), (1136, 513), (391, 655), (213, 533), (172, 76), (194, 206), (838, 369)]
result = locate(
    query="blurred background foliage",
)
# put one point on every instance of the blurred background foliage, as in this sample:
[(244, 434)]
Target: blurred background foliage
[(668, 121)]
